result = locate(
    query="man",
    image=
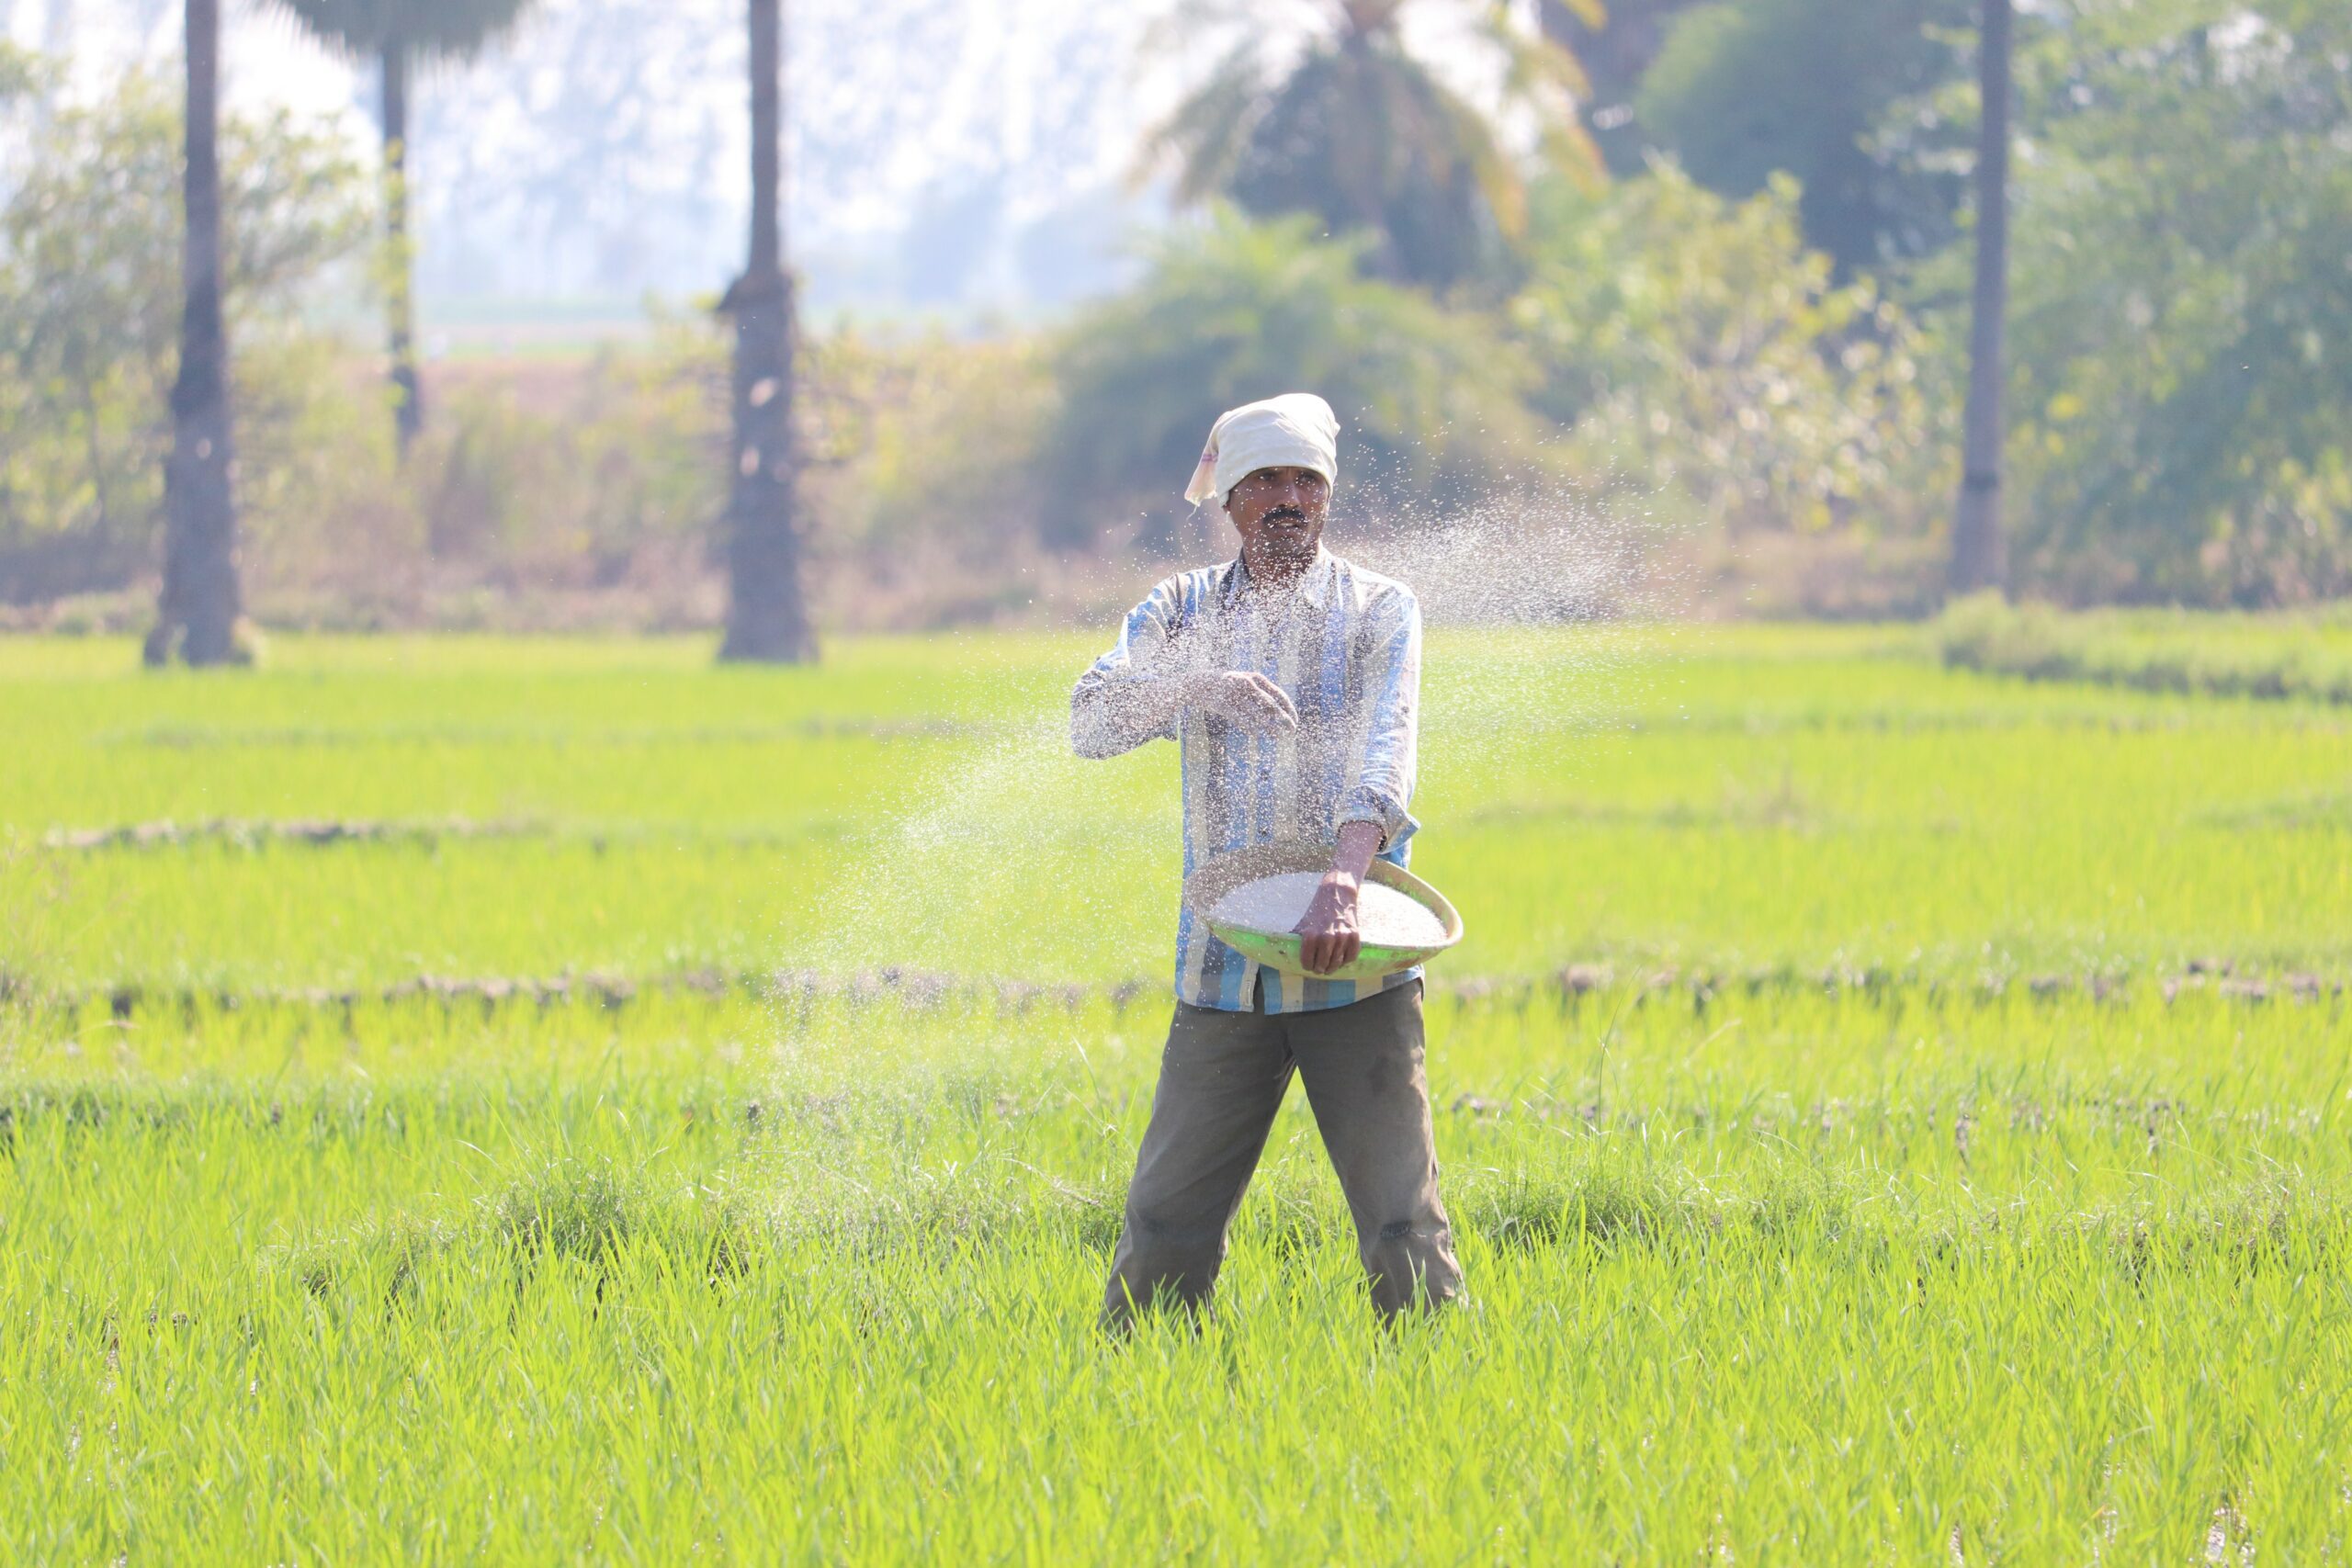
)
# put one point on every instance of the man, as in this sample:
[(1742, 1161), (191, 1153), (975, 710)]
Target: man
[(1289, 678)]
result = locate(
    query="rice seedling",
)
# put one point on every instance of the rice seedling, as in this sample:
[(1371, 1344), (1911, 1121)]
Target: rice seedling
[(1889, 1113)]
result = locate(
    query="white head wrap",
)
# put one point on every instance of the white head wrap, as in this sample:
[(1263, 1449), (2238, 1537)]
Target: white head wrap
[(1296, 430)]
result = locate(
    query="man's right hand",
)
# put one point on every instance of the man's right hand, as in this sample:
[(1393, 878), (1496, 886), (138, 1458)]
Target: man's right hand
[(1244, 696)]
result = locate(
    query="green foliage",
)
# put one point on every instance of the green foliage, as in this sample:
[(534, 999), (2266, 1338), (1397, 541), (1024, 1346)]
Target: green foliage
[(1433, 399), (1745, 89), (1703, 355), (424, 30), (2183, 316), (2247, 656), (90, 302), (2181, 209), (1686, 351)]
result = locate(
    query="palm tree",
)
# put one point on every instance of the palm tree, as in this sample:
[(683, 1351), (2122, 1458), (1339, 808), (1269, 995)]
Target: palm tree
[(400, 35), (196, 613), (1616, 44), (1979, 547), (767, 618), (1361, 134)]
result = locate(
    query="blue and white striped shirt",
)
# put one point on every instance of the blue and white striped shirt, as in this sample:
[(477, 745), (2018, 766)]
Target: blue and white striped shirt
[(1345, 645)]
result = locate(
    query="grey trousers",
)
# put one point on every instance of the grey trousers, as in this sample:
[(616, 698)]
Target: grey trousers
[(1222, 1078)]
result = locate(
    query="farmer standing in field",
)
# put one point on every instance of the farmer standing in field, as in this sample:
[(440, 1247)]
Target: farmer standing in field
[(1290, 680)]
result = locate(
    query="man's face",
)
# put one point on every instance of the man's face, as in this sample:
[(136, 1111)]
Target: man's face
[(1280, 513)]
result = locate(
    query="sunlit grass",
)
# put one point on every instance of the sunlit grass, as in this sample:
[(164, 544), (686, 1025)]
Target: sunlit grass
[(1938, 1150)]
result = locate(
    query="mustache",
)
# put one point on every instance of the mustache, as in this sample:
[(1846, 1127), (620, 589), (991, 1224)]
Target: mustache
[(1284, 513)]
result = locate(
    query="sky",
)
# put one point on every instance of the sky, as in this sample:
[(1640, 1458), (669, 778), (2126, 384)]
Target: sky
[(945, 156)]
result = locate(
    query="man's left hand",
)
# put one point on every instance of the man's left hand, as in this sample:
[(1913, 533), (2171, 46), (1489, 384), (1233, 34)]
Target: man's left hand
[(1331, 939)]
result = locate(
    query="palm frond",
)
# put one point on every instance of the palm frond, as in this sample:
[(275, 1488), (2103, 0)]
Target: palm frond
[(1366, 17), (1205, 135), (1569, 147), (1363, 133), (1491, 168), (426, 29), (1534, 63), (1544, 74), (1179, 25)]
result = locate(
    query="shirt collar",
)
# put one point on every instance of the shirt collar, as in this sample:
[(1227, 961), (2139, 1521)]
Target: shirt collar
[(1314, 583)]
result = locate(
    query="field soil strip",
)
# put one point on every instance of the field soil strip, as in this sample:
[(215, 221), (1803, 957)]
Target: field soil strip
[(937, 989), (175, 736), (262, 833), (248, 833)]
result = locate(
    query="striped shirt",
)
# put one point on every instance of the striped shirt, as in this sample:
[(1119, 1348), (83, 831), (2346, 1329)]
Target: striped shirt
[(1345, 645)]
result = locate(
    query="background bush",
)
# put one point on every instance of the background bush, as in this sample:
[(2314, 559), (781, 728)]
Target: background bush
[(1434, 401), (2306, 657), (1696, 352)]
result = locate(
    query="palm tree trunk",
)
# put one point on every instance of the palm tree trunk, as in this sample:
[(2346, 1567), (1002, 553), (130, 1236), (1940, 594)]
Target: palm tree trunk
[(408, 404), (1979, 545), (198, 607), (767, 618)]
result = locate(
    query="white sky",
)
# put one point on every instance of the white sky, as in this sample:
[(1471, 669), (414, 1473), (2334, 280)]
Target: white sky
[(607, 136)]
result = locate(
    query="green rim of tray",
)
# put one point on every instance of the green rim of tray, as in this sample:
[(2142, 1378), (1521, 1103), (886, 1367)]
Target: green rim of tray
[(1281, 952)]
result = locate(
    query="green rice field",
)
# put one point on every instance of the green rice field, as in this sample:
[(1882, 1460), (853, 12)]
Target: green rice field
[(474, 1100)]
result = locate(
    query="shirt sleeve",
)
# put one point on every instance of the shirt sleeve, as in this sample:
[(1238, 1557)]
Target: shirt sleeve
[(1390, 660), (1122, 701)]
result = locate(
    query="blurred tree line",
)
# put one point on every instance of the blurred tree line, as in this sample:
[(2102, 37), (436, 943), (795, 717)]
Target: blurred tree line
[(1705, 261)]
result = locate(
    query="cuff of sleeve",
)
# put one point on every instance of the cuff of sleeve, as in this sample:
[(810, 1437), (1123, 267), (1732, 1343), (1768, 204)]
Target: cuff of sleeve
[(1389, 816), (1105, 719)]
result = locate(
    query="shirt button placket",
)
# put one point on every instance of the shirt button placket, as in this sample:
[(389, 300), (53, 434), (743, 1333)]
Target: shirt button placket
[(1269, 664)]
